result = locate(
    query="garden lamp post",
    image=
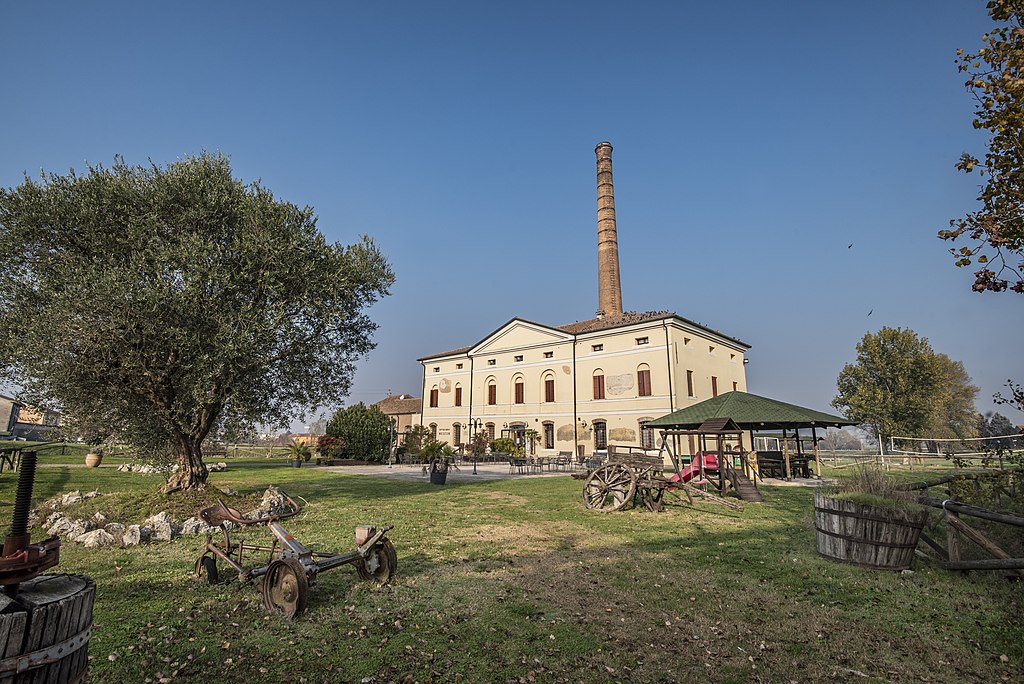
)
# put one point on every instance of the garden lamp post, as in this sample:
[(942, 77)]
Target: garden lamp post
[(475, 424)]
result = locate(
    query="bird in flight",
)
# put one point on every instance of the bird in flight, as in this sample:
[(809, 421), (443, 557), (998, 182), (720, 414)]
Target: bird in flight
[(871, 312), (849, 245)]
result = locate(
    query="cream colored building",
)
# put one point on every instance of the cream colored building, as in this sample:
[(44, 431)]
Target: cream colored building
[(586, 385), (580, 386)]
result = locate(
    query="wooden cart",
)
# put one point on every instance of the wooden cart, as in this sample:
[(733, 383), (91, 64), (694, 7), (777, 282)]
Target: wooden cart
[(635, 479)]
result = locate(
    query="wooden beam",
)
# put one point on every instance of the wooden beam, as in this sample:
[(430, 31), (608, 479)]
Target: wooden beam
[(979, 539), (973, 511)]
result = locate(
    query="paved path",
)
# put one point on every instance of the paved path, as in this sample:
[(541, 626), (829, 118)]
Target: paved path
[(485, 472)]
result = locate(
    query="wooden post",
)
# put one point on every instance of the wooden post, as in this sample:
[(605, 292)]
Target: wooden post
[(817, 461), (785, 453), (952, 537)]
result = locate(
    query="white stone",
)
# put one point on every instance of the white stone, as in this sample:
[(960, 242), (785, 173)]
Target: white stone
[(99, 519), (134, 536), (116, 529), (96, 539), (195, 526), (71, 498)]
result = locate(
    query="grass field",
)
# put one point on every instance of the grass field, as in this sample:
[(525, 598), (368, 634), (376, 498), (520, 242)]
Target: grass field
[(516, 581)]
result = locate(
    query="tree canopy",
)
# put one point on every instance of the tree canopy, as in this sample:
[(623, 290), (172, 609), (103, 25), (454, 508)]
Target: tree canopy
[(899, 386), (995, 233), (366, 431), (159, 303)]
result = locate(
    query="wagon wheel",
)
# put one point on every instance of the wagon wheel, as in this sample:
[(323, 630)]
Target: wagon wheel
[(652, 498), (206, 569), (387, 564), (609, 488), (285, 587)]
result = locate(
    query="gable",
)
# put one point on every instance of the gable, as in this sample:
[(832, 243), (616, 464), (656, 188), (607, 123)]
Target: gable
[(519, 334)]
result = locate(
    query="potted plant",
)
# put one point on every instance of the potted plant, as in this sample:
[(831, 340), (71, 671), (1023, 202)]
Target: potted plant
[(437, 458), (94, 457), (867, 521), (298, 453)]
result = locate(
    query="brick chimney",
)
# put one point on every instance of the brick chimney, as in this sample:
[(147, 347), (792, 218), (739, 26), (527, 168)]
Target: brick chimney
[(609, 291)]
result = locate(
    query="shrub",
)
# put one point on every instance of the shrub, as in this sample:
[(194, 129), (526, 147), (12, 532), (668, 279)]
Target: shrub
[(331, 447), (503, 445), (366, 432)]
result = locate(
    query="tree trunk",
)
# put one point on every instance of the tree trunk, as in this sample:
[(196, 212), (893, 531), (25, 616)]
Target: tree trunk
[(192, 472)]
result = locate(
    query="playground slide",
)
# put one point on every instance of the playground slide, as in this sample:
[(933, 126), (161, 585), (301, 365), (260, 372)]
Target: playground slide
[(693, 470)]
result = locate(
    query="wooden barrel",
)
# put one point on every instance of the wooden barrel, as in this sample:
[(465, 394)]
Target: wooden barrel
[(45, 629), (870, 536)]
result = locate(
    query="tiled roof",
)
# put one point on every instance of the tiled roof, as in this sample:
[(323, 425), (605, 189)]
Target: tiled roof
[(625, 318), (394, 404), (631, 317), (460, 350), (750, 412)]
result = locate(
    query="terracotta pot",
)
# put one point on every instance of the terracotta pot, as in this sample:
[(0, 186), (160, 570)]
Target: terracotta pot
[(93, 459)]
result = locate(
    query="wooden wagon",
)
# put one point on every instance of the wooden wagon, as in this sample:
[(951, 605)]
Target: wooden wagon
[(624, 480), (628, 479)]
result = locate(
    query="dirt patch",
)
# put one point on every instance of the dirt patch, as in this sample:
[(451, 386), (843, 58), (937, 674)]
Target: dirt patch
[(505, 498)]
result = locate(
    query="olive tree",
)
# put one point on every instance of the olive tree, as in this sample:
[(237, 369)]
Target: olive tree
[(161, 303)]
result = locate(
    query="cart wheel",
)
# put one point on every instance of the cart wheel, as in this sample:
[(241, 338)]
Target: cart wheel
[(652, 498), (285, 587), (609, 488), (206, 568), (387, 564)]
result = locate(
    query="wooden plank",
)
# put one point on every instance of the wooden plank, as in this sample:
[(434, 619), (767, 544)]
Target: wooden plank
[(994, 564), (981, 540), (952, 538), (973, 511)]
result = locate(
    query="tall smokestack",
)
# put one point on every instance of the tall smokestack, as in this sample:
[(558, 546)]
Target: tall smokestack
[(609, 291)]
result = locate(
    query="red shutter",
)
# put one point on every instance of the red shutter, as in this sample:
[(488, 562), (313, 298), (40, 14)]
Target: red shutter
[(644, 382), (549, 390), (492, 394), (599, 387), (714, 386), (458, 396), (519, 393), (433, 398)]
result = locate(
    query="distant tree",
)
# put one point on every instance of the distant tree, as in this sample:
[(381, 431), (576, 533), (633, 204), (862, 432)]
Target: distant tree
[(900, 386), (995, 425), (841, 440), (366, 431), (953, 413), (995, 233), (160, 303)]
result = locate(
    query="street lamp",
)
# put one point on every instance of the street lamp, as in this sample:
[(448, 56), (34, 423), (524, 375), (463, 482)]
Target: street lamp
[(475, 425)]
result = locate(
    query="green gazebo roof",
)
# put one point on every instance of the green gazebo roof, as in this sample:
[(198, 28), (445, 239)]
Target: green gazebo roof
[(749, 412)]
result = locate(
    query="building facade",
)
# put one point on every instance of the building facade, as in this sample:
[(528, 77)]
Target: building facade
[(403, 410), (586, 385), (578, 387)]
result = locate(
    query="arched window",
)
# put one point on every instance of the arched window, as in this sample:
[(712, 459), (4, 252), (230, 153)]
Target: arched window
[(492, 392), (600, 434), (518, 390), (458, 395), (643, 380), (433, 397), (490, 431), (456, 434), (646, 434), (433, 431), (599, 384), (549, 435), (549, 387)]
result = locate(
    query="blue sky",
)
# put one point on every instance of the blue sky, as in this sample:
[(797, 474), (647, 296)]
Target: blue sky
[(753, 143)]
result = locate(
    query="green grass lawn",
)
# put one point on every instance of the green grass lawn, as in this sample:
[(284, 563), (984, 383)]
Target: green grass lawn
[(516, 581)]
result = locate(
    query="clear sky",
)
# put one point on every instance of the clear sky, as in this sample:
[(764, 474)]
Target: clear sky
[(754, 141)]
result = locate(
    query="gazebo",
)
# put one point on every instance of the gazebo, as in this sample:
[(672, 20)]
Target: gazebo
[(752, 412)]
